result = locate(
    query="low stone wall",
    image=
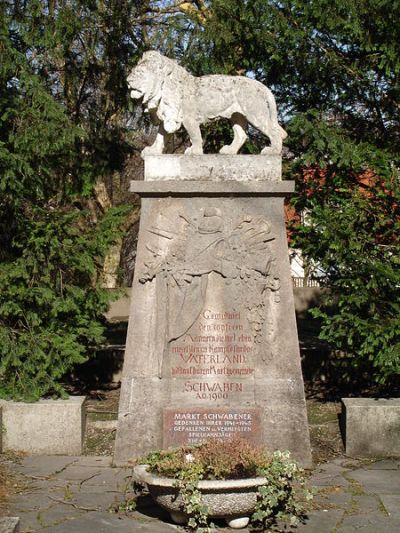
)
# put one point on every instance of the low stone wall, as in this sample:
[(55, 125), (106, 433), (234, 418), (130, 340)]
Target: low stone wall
[(51, 427), (372, 427)]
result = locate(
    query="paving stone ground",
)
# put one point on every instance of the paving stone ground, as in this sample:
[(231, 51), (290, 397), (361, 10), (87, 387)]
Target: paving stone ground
[(87, 495)]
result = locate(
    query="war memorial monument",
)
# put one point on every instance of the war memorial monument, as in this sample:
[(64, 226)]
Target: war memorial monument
[(212, 348)]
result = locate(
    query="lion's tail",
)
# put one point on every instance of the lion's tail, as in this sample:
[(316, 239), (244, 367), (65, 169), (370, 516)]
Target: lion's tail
[(274, 112), (283, 132)]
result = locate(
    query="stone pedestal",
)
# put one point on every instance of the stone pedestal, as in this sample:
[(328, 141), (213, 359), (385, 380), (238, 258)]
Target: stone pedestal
[(212, 348), (46, 427), (372, 427)]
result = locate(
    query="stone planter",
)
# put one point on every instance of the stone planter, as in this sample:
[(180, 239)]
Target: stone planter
[(232, 499)]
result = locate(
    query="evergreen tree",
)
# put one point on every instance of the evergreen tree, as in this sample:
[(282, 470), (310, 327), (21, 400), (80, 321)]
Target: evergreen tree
[(62, 83)]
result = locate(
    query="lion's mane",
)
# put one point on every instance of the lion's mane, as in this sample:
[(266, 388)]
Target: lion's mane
[(170, 78)]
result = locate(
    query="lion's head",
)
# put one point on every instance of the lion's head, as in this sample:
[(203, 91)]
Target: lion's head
[(144, 80), (156, 80)]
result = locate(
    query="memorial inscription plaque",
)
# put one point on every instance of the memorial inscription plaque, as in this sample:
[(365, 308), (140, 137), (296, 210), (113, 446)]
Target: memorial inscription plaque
[(193, 426)]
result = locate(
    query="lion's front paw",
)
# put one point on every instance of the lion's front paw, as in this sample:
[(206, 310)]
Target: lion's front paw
[(151, 150), (271, 150), (194, 150), (228, 150)]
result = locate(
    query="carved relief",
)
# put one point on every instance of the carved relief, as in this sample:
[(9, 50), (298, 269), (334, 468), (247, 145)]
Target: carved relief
[(187, 250)]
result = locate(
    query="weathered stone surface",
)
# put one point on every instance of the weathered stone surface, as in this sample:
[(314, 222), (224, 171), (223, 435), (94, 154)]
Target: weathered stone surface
[(105, 522), (304, 299), (46, 466), (9, 525), (175, 98), (391, 502), (95, 460), (110, 479), (329, 475), (52, 516), (217, 167), (367, 504), (321, 522), (372, 427), (29, 522), (44, 427), (95, 500), (385, 464), (363, 513), (38, 500), (212, 322), (369, 524), (388, 481)]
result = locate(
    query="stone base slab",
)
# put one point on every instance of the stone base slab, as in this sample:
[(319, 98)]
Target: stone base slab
[(213, 167), (372, 427), (52, 427), (9, 525)]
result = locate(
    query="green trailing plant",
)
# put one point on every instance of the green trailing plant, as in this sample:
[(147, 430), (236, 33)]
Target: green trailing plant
[(277, 499), (193, 505), (281, 497), (128, 506)]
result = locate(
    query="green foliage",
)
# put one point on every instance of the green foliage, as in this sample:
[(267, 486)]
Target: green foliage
[(355, 239), (49, 303), (128, 506), (69, 61), (193, 506), (281, 497), (278, 499), (335, 70)]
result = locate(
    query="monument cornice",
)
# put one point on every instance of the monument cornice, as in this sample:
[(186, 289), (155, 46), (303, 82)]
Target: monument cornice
[(212, 188)]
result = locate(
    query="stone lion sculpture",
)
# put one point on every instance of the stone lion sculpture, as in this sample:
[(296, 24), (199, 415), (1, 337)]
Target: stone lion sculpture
[(175, 98)]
